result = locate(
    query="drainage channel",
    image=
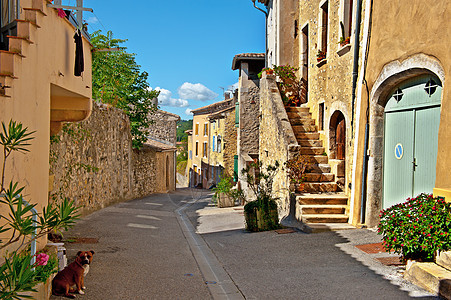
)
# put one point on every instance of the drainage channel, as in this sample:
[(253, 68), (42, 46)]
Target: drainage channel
[(216, 278)]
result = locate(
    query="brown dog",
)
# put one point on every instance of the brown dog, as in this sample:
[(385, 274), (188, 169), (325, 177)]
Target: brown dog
[(73, 275)]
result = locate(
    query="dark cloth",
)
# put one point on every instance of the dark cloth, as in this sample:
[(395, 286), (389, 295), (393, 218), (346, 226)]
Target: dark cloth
[(79, 62)]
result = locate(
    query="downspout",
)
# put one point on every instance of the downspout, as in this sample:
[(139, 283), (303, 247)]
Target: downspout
[(35, 232), (266, 32), (355, 72)]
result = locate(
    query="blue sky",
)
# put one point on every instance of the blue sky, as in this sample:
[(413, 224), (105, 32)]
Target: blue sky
[(185, 46)]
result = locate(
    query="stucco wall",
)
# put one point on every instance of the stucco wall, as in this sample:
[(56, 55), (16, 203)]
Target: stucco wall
[(412, 41), (93, 162)]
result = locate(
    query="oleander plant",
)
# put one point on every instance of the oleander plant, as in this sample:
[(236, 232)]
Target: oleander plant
[(417, 228)]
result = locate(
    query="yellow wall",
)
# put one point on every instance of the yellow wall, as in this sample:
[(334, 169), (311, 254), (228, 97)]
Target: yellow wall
[(200, 137), (408, 38), (44, 77)]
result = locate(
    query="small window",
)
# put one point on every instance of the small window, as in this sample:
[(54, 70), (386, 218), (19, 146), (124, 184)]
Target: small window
[(219, 144), (214, 144), (296, 29), (197, 129), (321, 116), (431, 87), (190, 154), (197, 148), (214, 124), (205, 129), (398, 95), (345, 22), (204, 150), (324, 26)]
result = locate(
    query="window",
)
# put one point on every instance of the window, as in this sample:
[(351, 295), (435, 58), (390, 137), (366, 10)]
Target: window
[(323, 26), (214, 144), (190, 154), (296, 28), (345, 21), (197, 129), (205, 129), (9, 11), (304, 63), (204, 150), (197, 148), (219, 144), (321, 116)]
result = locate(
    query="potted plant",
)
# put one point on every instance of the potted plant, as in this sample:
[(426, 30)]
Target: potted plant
[(223, 191), (288, 84), (261, 214), (321, 55), (297, 166), (417, 228), (343, 41)]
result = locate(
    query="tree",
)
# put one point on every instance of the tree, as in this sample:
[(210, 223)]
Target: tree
[(117, 80)]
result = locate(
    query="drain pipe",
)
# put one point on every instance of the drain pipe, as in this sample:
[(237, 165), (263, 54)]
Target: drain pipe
[(266, 32), (355, 72), (35, 231), (365, 159)]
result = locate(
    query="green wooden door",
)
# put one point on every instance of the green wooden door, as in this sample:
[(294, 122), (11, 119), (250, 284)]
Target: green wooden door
[(412, 119)]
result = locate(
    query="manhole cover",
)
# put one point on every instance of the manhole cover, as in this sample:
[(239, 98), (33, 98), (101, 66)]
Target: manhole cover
[(391, 261), (372, 248)]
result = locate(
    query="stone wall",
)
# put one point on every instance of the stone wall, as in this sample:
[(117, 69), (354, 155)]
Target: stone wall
[(230, 142), (164, 127), (277, 139), (249, 112), (93, 162)]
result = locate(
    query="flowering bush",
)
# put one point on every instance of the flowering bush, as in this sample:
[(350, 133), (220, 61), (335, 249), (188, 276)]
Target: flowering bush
[(417, 228), (297, 167)]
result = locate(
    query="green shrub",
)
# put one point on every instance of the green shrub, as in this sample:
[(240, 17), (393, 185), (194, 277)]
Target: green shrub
[(417, 228)]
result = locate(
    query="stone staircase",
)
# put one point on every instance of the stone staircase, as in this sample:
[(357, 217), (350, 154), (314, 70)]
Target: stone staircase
[(321, 200), (11, 59)]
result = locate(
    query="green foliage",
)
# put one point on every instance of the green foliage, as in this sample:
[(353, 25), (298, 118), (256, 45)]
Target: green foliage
[(297, 167), (260, 181), (182, 126), (224, 186), (288, 84), (16, 273), (117, 80), (42, 272), (417, 228)]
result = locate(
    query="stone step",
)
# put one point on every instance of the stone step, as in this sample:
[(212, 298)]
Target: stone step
[(322, 199), (17, 44), (26, 29), (323, 209), (310, 143), (326, 218), (304, 128), (430, 277), (444, 260), (6, 83), (320, 187), (319, 168), (301, 135), (7, 62), (318, 159), (294, 115), (302, 121), (319, 177), (297, 109), (312, 151)]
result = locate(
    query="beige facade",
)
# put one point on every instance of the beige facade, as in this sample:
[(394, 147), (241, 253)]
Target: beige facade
[(40, 89), (403, 45), (200, 149)]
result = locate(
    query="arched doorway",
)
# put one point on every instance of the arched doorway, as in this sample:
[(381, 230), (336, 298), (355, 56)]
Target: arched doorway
[(412, 119), (337, 136)]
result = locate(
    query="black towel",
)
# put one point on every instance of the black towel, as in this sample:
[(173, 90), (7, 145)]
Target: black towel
[(79, 63)]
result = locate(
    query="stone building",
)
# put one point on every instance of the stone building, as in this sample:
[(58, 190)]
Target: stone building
[(247, 109), (39, 88), (205, 167)]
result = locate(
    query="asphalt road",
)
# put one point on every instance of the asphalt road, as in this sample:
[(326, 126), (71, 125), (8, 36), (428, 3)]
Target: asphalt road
[(178, 246)]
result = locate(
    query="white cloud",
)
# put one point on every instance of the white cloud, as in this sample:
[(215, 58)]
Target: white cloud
[(196, 91), (188, 112), (165, 99), (92, 20)]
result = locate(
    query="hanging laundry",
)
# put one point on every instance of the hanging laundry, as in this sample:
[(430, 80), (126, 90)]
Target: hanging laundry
[(79, 62)]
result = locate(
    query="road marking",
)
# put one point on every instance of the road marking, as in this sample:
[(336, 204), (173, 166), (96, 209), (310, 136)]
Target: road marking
[(144, 226), (148, 217), (156, 204)]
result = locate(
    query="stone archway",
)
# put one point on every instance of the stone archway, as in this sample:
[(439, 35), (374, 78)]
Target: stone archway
[(392, 75)]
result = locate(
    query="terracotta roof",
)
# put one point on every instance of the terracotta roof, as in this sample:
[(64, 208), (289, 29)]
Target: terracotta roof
[(159, 146), (246, 56), (218, 114), (169, 114), (189, 131), (211, 108)]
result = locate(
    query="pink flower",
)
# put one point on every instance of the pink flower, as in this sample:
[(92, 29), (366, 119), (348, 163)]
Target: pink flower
[(61, 13), (42, 259)]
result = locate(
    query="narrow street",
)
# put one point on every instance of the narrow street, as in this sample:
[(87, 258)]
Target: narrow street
[(149, 249)]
